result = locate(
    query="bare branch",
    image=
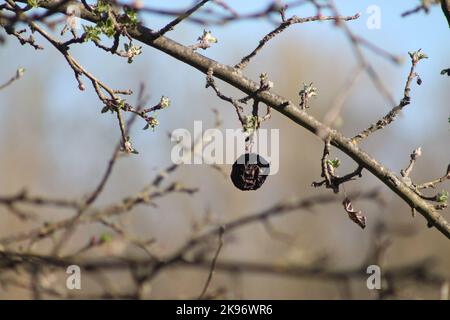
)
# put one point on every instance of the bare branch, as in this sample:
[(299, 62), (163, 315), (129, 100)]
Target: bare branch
[(213, 265), (406, 100), (284, 25)]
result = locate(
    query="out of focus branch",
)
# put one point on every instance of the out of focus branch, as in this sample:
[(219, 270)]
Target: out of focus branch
[(17, 76)]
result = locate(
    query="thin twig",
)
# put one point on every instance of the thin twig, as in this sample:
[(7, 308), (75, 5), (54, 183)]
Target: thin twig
[(285, 24), (213, 265), (392, 115), (179, 19)]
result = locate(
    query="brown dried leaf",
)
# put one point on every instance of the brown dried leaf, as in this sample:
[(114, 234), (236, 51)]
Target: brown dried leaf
[(356, 216)]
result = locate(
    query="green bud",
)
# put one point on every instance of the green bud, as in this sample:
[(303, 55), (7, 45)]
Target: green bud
[(20, 72), (335, 163), (417, 55), (33, 3), (250, 124), (164, 102), (208, 37), (308, 90), (442, 197), (105, 237), (153, 122)]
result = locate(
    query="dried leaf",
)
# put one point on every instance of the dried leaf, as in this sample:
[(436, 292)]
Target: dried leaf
[(249, 171), (356, 216)]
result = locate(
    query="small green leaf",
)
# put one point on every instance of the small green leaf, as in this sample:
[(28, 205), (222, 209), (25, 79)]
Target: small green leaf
[(164, 102), (131, 15), (335, 163), (33, 3), (442, 197), (417, 55), (208, 37), (105, 237), (152, 122), (102, 6), (120, 103), (92, 33), (107, 27)]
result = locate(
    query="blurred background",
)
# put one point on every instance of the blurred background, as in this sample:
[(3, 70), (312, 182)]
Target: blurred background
[(55, 142)]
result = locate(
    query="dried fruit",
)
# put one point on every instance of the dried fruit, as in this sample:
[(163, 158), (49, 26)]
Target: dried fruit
[(249, 171)]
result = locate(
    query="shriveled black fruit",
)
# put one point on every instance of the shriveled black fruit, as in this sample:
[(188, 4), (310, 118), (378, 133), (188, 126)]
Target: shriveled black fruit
[(249, 171)]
